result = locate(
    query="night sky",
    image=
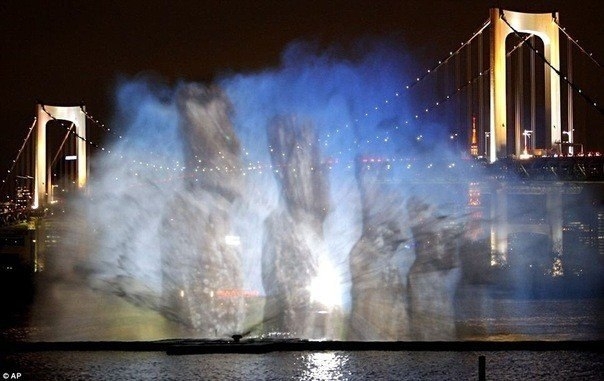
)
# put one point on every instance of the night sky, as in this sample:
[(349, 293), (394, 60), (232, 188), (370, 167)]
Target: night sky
[(75, 51)]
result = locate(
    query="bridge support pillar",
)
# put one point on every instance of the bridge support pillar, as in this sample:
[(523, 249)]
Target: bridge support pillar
[(43, 181), (544, 26)]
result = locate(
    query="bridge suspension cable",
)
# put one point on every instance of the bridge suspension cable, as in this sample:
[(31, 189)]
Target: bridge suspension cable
[(576, 42), (425, 75), (578, 90), (108, 151), (112, 132), (451, 54), (69, 130), (14, 163), (73, 131), (98, 122), (473, 80), (458, 89)]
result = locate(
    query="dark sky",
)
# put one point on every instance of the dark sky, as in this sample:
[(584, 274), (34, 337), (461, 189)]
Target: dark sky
[(72, 51)]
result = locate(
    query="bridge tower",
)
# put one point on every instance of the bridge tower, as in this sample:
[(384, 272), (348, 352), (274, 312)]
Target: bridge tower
[(43, 182), (544, 26)]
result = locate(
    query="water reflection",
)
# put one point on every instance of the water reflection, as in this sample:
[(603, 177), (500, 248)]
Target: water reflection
[(513, 365), (325, 366)]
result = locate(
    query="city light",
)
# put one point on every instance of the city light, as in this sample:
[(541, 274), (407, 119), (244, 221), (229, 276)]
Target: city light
[(525, 154)]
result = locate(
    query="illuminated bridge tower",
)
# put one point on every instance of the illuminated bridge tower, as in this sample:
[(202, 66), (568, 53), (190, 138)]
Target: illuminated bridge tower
[(43, 180), (543, 25)]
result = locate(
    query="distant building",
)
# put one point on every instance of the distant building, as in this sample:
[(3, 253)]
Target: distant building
[(24, 197), (474, 142)]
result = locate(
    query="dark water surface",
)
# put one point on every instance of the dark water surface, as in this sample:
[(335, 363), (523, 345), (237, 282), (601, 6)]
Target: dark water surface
[(328, 365), (64, 312)]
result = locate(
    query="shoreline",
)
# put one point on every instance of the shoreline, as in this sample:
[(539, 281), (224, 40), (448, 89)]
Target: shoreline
[(260, 346)]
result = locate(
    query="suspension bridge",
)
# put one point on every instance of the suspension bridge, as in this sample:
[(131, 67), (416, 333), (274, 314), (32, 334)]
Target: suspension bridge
[(511, 100)]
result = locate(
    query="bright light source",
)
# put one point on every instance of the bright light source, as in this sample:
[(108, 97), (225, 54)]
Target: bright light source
[(525, 156), (326, 287)]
